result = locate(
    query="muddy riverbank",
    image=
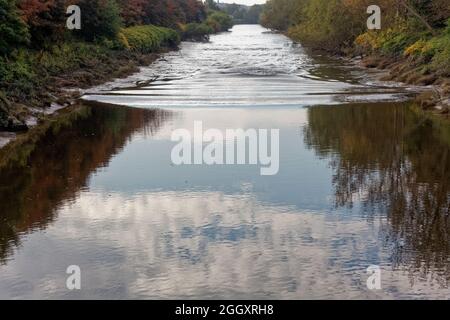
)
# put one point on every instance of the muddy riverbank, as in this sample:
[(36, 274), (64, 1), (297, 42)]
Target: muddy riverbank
[(435, 95), (432, 91), (63, 89)]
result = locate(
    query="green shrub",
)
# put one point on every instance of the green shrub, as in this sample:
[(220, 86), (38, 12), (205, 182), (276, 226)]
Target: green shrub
[(435, 51), (447, 29), (402, 38), (26, 71), (13, 31), (150, 38), (219, 21), (397, 44), (327, 24), (122, 42), (100, 19), (440, 47), (17, 74), (197, 31), (441, 60)]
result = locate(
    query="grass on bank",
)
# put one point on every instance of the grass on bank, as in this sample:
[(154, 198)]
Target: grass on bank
[(148, 38), (27, 70), (403, 40), (418, 34)]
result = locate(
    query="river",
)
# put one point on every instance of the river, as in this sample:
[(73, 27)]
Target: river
[(363, 181)]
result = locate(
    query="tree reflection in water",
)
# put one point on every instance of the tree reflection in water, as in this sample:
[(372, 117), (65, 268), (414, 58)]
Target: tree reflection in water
[(390, 160), (53, 163)]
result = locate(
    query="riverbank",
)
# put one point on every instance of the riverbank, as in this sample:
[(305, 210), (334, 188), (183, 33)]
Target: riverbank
[(436, 94), (43, 64), (63, 90), (411, 40), (359, 183), (37, 83), (407, 66), (60, 90)]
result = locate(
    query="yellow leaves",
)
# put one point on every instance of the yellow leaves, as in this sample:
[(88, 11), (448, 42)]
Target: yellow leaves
[(369, 40), (181, 27), (388, 39), (415, 49), (148, 38), (123, 40)]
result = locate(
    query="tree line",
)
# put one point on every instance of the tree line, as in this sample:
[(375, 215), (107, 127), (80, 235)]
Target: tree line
[(325, 20), (38, 23), (39, 55), (416, 29), (242, 14)]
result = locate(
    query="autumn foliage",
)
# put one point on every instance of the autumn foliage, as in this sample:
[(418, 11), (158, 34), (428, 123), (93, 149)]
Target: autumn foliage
[(43, 21), (39, 55)]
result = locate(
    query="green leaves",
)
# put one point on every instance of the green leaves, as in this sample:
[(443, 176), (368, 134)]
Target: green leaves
[(100, 19), (219, 21), (149, 38), (197, 31), (13, 31)]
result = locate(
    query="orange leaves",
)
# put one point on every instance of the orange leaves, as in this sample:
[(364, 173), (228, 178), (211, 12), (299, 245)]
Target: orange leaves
[(132, 11), (31, 8)]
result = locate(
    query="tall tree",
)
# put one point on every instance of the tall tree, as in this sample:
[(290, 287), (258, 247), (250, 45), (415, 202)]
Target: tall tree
[(412, 9), (132, 11), (45, 18), (100, 19), (12, 29)]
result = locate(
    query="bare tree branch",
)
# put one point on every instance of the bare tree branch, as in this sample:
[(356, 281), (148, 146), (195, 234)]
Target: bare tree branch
[(411, 9)]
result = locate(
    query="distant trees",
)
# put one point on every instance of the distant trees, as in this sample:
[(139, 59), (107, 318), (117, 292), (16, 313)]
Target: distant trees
[(242, 14), (219, 21), (211, 4), (335, 23), (413, 29), (167, 13), (253, 14), (281, 14), (329, 23)]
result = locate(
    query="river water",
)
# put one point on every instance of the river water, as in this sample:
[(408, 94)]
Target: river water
[(363, 180)]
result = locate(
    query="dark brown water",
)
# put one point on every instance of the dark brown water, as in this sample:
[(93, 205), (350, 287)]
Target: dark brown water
[(360, 184)]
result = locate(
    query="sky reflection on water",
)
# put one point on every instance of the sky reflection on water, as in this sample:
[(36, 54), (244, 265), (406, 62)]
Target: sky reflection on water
[(359, 184)]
